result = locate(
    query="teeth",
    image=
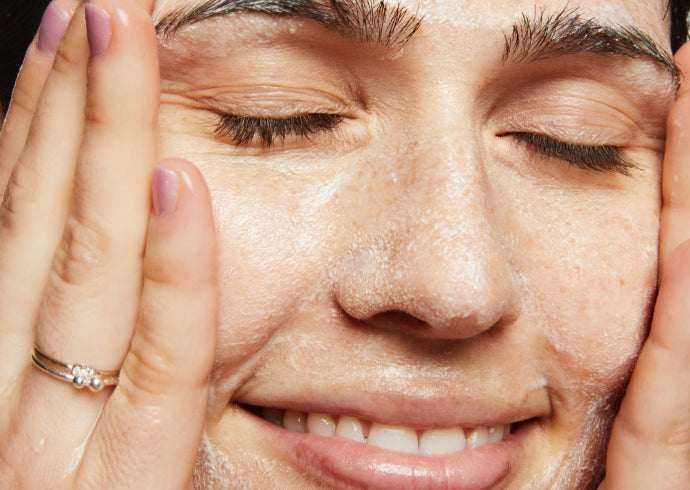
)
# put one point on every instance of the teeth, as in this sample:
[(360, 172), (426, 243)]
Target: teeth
[(478, 436), (430, 442), (496, 433), (295, 421), (350, 428), (437, 442), (321, 424), (395, 438)]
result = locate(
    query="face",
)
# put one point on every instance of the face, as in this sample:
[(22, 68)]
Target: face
[(443, 243)]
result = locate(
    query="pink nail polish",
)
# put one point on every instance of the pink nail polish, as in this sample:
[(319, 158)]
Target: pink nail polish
[(98, 28), (164, 192), (53, 26)]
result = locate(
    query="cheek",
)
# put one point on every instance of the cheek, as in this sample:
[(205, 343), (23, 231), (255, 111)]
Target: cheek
[(279, 229), (274, 236), (591, 274)]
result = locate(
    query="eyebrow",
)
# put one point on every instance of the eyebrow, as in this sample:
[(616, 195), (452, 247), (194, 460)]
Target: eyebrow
[(567, 32), (372, 22)]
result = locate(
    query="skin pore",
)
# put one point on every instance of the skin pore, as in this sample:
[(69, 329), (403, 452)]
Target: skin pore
[(396, 247)]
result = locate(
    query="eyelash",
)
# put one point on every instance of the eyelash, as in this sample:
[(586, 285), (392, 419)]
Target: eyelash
[(243, 130), (596, 158)]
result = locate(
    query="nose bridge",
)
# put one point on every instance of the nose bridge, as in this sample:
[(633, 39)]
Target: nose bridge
[(436, 250), (458, 258)]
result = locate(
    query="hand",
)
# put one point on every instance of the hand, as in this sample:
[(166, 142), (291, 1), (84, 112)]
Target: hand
[(92, 276), (650, 442)]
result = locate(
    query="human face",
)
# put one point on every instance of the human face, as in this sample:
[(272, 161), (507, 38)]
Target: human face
[(409, 254)]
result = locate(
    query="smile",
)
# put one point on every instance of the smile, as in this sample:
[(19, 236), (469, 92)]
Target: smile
[(398, 438)]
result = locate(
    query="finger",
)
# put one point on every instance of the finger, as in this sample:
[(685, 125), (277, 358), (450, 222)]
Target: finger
[(147, 5), (36, 198), (650, 442), (675, 216), (89, 308), (164, 380), (33, 213), (32, 76), (92, 297)]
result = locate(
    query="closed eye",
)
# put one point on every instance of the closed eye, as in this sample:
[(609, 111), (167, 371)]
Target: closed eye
[(596, 158), (242, 130)]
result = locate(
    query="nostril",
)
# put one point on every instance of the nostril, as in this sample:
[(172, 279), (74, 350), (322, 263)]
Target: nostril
[(398, 319), (425, 324)]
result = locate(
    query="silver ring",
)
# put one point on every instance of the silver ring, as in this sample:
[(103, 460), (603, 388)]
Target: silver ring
[(76, 374)]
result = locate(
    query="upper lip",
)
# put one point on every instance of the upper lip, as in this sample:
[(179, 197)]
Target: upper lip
[(436, 410)]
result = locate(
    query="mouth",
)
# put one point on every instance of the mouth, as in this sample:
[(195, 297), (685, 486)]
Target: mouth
[(439, 441), (346, 452)]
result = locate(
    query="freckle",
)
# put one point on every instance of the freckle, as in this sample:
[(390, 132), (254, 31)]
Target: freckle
[(622, 281)]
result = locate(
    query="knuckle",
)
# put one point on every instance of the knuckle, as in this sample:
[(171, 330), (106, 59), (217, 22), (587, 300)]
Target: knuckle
[(97, 116), (147, 369), (82, 251), (153, 370), (672, 433), (127, 118), (24, 100), (18, 194), (678, 434), (68, 61)]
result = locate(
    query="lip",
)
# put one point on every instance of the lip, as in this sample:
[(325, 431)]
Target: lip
[(400, 408), (344, 464)]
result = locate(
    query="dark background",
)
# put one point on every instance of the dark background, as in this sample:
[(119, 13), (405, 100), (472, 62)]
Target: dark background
[(19, 21)]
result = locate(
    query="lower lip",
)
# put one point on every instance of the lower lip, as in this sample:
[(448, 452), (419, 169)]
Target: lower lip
[(346, 464)]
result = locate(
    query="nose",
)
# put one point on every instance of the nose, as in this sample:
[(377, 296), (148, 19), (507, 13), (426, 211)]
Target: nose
[(434, 258)]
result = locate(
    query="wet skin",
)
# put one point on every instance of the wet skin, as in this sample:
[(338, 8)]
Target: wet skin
[(420, 263)]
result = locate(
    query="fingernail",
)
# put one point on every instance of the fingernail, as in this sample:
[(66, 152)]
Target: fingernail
[(165, 191), (53, 26), (98, 28)]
